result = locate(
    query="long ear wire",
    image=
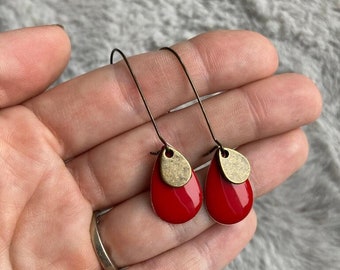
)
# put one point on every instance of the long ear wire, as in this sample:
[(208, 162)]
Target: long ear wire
[(166, 145), (218, 144)]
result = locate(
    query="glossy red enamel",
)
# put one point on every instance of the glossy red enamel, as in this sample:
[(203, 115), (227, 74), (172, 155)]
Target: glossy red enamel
[(175, 204), (227, 203)]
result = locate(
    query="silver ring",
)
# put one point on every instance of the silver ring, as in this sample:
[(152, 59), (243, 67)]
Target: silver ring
[(98, 246)]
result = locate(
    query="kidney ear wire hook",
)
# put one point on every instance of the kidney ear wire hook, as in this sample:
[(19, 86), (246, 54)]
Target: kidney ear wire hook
[(218, 144), (166, 145)]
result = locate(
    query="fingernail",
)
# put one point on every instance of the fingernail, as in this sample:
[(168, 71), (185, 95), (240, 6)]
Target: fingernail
[(59, 25)]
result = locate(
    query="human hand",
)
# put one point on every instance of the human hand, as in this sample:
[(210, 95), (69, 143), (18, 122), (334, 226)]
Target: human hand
[(98, 124)]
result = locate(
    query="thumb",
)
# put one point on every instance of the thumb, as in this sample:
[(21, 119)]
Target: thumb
[(30, 60)]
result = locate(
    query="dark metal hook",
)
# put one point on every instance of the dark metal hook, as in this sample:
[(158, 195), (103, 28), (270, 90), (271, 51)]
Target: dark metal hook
[(141, 94), (219, 145)]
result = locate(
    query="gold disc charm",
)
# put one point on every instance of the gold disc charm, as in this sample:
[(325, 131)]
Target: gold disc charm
[(235, 166), (175, 169)]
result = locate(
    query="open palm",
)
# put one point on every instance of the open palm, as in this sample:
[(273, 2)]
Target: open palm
[(85, 144)]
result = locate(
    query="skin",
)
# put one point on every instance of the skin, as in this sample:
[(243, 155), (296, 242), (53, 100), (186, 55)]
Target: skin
[(84, 145)]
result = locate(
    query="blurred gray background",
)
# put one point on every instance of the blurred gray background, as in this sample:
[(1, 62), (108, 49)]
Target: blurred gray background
[(299, 222)]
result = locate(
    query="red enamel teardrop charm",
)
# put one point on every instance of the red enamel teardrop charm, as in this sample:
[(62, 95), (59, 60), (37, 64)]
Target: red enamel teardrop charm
[(227, 201), (174, 199)]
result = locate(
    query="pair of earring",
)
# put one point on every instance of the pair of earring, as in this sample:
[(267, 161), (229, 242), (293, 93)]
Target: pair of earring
[(176, 194)]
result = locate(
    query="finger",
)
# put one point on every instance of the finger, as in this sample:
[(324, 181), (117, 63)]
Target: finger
[(213, 249), (133, 233), (108, 102), (30, 60), (249, 113)]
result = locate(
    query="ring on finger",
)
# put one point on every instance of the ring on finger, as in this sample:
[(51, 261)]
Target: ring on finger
[(98, 246)]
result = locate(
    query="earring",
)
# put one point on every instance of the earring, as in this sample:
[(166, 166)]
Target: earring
[(229, 196), (176, 195)]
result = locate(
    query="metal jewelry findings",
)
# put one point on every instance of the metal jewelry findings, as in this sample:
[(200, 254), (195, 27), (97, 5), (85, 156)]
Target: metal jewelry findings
[(229, 196), (176, 194)]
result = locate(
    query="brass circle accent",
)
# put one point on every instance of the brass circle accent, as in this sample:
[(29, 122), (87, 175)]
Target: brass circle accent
[(235, 166), (175, 169)]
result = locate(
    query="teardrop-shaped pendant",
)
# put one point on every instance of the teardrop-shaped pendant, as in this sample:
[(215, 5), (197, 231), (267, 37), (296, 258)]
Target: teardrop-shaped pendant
[(176, 194), (229, 196)]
